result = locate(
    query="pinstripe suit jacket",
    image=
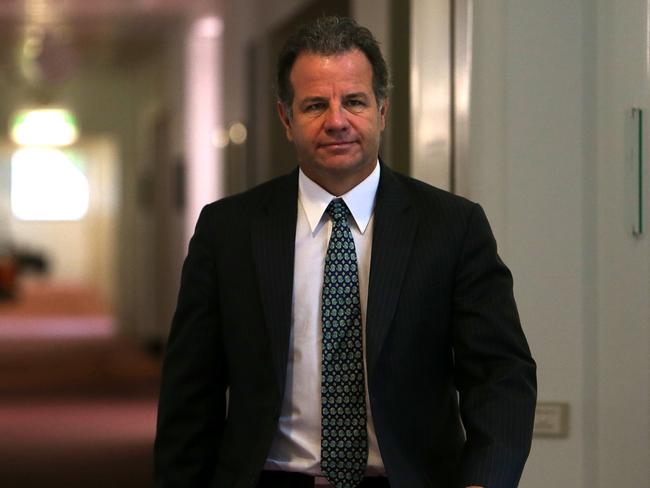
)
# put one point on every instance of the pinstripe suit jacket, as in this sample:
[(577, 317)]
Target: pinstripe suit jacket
[(444, 343)]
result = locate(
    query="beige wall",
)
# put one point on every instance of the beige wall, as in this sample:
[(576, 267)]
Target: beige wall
[(552, 83)]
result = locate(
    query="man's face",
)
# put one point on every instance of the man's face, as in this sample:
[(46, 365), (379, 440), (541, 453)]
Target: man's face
[(335, 122)]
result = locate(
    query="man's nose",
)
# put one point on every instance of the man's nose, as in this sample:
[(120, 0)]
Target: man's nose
[(336, 118)]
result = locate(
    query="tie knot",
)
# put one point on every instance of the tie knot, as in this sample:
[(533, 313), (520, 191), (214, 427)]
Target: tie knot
[(338, 210)]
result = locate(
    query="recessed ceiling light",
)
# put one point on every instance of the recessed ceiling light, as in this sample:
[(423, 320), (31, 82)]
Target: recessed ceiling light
[(44, 127)]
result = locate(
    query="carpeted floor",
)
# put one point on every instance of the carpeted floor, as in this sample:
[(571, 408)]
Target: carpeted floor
[(77, 405)]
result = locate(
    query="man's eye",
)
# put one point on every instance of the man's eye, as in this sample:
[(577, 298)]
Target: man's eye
[(355, 104), (314, 107)]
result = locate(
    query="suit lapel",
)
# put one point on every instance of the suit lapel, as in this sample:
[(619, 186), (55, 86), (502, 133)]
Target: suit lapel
[(273, 243), (394, 230)]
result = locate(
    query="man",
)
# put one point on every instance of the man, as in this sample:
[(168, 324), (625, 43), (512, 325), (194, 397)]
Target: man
[(335, 325)]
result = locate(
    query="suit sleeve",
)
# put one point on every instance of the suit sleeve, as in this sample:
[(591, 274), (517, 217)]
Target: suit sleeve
[(192, 405), (494, 369)]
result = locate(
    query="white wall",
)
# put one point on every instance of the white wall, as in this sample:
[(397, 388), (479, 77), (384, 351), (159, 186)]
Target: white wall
[(65, 245), (622, 294), (551, 81), (527, 117)]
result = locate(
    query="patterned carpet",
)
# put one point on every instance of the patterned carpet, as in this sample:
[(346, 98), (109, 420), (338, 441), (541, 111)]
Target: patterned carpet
[(77, 404)]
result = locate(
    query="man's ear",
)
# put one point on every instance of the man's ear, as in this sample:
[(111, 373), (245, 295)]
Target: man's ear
[(383, 111), (286, 120)]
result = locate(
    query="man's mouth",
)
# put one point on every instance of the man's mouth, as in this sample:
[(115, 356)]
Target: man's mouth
[(337, 144)]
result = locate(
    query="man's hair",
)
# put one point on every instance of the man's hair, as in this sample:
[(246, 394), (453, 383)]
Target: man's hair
[(327, 36)]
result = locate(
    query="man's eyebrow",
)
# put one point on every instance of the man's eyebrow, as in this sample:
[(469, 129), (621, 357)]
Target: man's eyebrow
[(356, 95), (312, 99)]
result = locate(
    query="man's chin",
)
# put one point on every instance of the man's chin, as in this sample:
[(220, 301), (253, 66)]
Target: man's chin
[(341, 168), (345, 166), (342, 162), (338, 175)]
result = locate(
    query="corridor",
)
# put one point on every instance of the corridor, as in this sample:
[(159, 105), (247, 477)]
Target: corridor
[(77, 404)]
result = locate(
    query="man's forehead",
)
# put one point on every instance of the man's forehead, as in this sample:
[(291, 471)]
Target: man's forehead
[(354, 54), (348, 69)]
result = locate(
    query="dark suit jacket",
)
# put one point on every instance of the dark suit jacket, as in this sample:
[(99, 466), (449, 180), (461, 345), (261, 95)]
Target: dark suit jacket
[(443, 343)]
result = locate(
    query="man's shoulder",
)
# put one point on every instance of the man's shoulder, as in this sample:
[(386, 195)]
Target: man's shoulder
[(250, 202), (426, 196), (439, 211)]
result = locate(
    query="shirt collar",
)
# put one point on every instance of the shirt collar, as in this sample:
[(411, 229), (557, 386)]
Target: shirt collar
[(360, 199)]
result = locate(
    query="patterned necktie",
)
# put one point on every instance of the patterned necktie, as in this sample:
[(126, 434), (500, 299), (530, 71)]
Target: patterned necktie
[(344, 443)]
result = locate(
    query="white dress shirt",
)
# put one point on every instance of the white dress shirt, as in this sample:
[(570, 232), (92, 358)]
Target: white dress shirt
[(296, 446)]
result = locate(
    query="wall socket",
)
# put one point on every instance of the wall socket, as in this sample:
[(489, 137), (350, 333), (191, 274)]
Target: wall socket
[(551, 420)]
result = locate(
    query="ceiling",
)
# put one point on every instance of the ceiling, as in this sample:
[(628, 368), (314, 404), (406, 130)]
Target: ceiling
[(92, 9), (42, 41)]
